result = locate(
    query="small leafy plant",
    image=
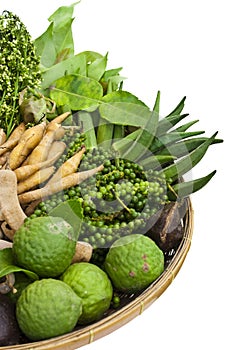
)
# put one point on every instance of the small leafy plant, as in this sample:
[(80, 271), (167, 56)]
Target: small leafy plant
[(19, 67)]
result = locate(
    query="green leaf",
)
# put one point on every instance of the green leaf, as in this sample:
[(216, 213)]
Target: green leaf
[(157, 103), (182, 148), (91, 56), (72, 212), (72, 65), (184, 189), (155, 162), (88, 129), (166, 140), (122, 145), (186, 126), (178, 109), (77, 91), (82, 93), (7, 265), (143, 141), (62, 14), (105, 134), (96, 69), (125, 113), (166, 124), (108, 74), (186, 163), (45, 48), (122, 96), (58, 37)]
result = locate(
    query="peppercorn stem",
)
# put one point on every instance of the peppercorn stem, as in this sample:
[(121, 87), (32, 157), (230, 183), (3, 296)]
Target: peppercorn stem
[(121, 202)]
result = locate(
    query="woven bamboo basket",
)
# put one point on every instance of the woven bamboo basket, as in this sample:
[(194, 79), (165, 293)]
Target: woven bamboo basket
[(133, 305)]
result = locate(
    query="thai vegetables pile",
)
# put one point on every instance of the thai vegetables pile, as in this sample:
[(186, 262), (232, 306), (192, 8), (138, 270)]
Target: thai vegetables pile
[(75, 144)]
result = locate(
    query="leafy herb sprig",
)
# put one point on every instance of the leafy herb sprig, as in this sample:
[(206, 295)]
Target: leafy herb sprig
[(19, 68)]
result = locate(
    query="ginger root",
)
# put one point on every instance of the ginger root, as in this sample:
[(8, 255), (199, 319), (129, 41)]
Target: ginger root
[(10, 207)]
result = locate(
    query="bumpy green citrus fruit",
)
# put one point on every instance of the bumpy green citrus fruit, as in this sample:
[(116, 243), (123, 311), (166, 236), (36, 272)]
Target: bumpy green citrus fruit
[(133, 262), (93, 286), (44, 245), (47, 308)]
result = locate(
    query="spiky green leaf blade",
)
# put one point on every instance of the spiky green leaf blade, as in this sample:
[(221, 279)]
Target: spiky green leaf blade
[(183, 165), (185, 189), (186, 126), (142, 143), (167, 140), (182, 148), (157, 103), (168, 123), (178, 109), (121, 145), (155, 162)]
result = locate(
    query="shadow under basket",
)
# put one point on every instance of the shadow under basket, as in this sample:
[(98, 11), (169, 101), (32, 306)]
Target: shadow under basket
[(131, 305)]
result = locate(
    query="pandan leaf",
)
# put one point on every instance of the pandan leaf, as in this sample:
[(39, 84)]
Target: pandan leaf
[(186, 163), (166, 124), (157, 103), (179, 108), (164, 141), (155, 162), (185, 189), (140, 147), (7, 265), (121, 146), (186, 126), (182, 148)]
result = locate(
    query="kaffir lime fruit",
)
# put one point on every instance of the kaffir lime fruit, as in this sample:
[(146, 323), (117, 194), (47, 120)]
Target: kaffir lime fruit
[(44, 245), (93, 286), (47, 308), (133, 262)]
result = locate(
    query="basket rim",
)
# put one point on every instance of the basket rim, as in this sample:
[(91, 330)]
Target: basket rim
[(110, 323)]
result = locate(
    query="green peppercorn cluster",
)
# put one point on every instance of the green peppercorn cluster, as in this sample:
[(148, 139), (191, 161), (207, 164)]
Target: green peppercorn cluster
[(119, 200), (19, 68)]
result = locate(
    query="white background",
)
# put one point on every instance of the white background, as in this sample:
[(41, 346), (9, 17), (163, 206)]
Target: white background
[(182, 48)]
